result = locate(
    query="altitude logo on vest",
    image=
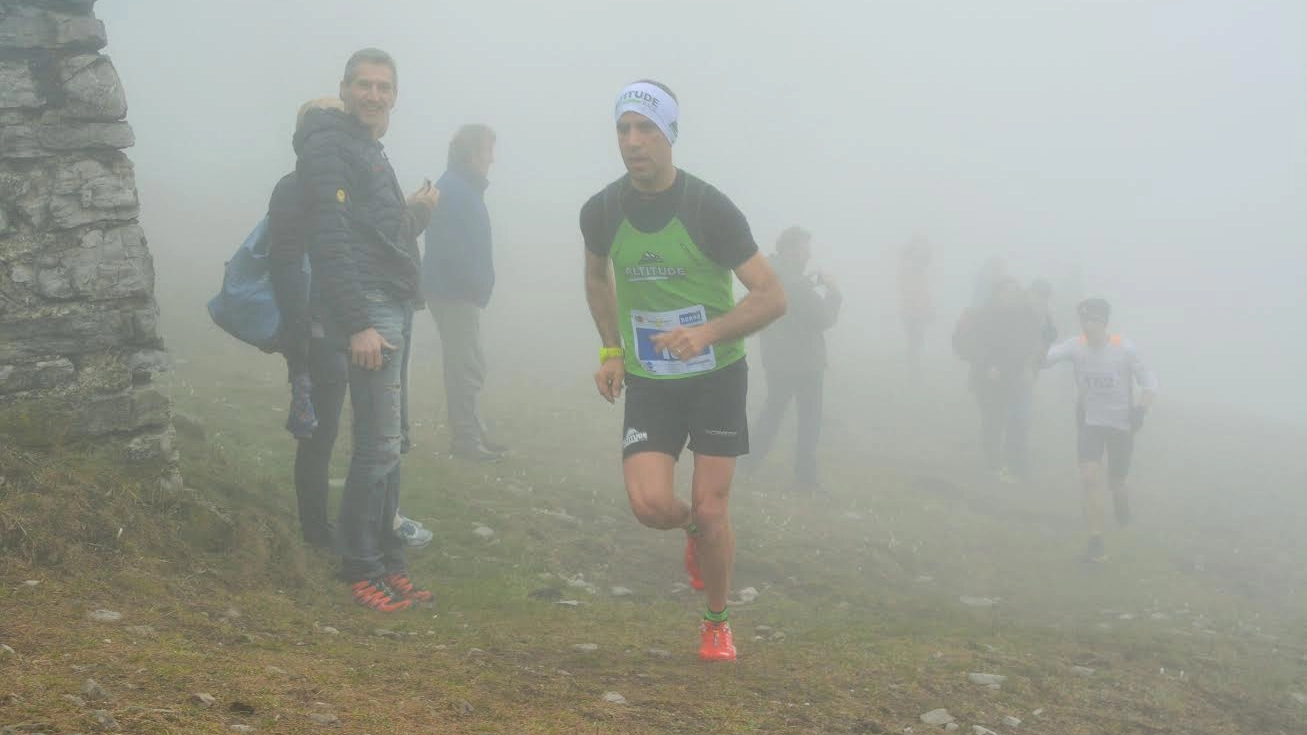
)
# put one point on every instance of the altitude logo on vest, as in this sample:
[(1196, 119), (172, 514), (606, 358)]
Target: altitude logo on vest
[(646, 271)]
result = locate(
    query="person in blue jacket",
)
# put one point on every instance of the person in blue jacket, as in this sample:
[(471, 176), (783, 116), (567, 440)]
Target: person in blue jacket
[(458, 276)]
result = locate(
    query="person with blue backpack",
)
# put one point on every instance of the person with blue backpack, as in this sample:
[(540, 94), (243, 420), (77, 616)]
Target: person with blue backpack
[(364, 291), (265, 302)]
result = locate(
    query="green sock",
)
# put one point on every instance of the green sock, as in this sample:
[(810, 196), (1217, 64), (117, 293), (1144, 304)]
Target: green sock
[(715, 617)]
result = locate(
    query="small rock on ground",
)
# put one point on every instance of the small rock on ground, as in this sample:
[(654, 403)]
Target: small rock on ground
[(6, 650), (951, 727), (104, 616), (1082, 671), (978, 730), (614, 697), (621, 592), (74, 700), (203, 699), (484, 532), (937, 717), (986, 679), (660, 653), (329, 630), (1299, 697), (93, 692), (103, 720), (383, 633), (325, 719), (274, 671), (586, 647), (140, 631), (1011, 721), (240, 728)]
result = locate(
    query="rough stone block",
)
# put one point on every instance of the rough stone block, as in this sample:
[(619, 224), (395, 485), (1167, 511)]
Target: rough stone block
[(92, 89), (109, 264), (31, 139), (37, 375), (76, 135), (146, 363), (67, 329), (27, 27), (18, 87), (65, 192), (155, 447), (127, 411)]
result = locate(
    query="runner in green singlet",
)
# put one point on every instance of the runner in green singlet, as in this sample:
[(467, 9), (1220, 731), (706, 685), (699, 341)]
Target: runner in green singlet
[(661, 248)]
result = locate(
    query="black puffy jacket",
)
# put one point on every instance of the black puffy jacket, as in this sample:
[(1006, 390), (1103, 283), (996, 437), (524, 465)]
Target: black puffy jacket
[(355, 217)]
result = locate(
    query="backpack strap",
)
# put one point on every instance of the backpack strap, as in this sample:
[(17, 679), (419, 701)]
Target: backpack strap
[(690, 211), (612, 214)]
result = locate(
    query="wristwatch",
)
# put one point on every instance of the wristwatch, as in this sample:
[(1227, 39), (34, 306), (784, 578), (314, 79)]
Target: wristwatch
[(608, 353)]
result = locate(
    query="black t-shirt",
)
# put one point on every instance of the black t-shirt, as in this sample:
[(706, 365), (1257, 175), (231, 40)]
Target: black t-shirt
[(726, 238)]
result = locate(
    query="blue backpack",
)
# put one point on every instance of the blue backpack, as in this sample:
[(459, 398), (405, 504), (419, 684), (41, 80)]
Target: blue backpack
[(246, 307)]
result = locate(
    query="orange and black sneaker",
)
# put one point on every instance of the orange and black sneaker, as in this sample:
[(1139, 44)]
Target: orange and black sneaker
[(400, 583), (692, 563), (376, 594), (716, 643)]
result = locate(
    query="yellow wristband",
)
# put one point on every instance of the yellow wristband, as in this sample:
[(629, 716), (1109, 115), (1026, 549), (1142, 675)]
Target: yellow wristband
[(608, 353)]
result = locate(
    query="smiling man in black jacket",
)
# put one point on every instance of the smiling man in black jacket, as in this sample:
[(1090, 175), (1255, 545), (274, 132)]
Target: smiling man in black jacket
[(364, 291)]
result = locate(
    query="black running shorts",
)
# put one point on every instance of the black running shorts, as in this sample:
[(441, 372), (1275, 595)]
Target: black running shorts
[(708, 409), (1092, 442)]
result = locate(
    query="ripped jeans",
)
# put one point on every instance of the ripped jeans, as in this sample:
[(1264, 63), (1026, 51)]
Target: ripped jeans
[(367, 507)]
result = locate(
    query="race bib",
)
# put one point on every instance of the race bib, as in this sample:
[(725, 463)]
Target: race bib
[(646, 324)]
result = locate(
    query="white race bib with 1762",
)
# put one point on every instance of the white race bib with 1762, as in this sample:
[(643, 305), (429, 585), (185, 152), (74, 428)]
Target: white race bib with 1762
[(646, 324)]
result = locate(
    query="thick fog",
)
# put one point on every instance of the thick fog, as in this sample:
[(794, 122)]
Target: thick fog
[(1157, 148)]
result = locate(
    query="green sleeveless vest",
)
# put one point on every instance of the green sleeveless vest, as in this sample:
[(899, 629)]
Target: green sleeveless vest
[(664, 281)]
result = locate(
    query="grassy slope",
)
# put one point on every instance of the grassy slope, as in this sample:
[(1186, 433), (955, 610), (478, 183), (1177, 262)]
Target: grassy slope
[(864, 583)]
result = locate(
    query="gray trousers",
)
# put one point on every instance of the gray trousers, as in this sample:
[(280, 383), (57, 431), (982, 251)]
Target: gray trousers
[(459, 324)]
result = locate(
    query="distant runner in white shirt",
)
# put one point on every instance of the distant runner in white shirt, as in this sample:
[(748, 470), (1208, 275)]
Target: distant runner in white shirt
[(1108, 413)]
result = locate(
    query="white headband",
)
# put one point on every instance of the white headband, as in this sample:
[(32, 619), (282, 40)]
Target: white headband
[(651, 101)]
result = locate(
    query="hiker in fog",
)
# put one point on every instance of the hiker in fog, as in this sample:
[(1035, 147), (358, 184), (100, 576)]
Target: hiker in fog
[(317, 374), (1107, 369), (794, 357), (673, 334), (458, 275), (365, 268), (1007, 338), (916, 310)]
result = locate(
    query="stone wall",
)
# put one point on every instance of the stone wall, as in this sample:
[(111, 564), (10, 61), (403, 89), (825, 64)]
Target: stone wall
[(79, 338)]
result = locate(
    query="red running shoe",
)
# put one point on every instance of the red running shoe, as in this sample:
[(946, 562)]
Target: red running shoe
[(376, 594), (716, 643), (692, 563), (400, 583)]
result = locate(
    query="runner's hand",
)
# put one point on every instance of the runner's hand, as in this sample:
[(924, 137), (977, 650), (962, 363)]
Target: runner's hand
[(683, 344), (1137, 415), (609, 378), (365, 349)]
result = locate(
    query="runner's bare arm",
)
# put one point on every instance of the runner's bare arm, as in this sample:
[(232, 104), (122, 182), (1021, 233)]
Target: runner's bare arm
[(764, 304), (601, 295)]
